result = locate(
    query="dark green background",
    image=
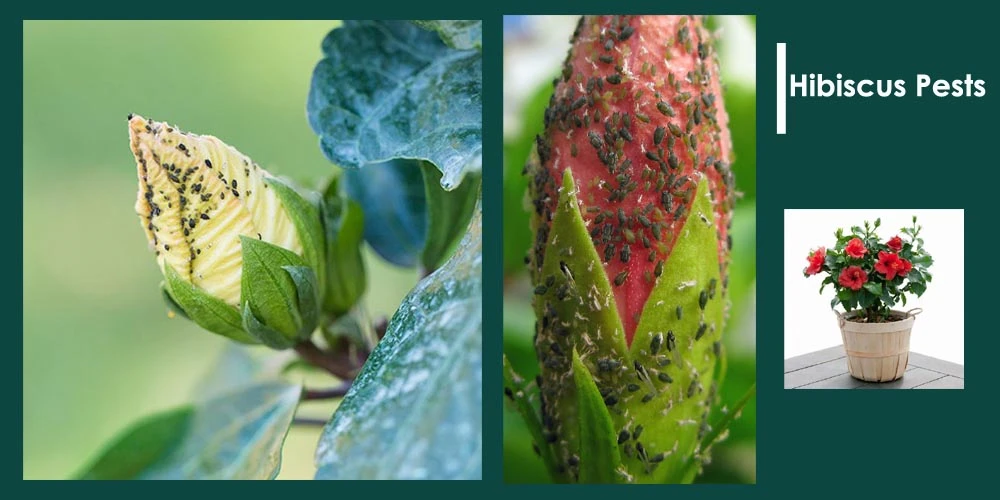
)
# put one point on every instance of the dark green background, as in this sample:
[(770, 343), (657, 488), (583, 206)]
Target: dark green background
[(905, 152), (854, 153)]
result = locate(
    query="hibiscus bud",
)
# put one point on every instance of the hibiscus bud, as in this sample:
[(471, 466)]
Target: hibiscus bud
[(241, 251), (632, 196)]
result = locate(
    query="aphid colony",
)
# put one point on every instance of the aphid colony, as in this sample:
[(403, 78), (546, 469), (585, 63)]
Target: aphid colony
[(181, 187), (637, 141)]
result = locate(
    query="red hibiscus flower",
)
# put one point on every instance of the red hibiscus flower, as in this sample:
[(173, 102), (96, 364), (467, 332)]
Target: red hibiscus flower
[(856, 248), (892, 265), (816, 260), (853, 277), (895, 244), (905, 267)]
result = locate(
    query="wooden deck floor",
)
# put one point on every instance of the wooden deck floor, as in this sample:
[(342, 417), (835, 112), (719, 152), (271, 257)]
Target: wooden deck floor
[(827, 369)]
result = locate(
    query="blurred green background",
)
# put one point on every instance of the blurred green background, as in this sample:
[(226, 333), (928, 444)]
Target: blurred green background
[(99, 350), (534, 48)]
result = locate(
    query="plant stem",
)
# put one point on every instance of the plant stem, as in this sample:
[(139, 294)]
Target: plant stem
[(337, 364), (380, 326), (308, 421), (426, 271), (328, 393)]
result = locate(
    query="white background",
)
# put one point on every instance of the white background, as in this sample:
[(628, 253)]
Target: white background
[(938, 331)]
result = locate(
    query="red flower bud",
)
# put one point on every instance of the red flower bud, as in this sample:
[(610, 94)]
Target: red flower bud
[(895, 243), (638, 131), (632, 199)]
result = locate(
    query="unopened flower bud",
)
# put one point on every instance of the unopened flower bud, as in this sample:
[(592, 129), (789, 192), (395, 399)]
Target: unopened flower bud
[(241, 251), (632, 194)]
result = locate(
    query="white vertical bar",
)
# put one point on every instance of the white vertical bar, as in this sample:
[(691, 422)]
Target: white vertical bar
[(782, 81)]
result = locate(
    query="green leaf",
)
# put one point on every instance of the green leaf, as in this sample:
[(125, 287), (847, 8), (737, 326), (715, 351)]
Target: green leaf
[(235, 368), (395, 207), (448, 213), (846, 294), (344, 225), (918, 288), (873, 287), (268, 289), (466, 34), (207, 311), (887, 299), (389, 89), (235, 436), (598, 445), (415, 410), (141, 445), (305, 215)]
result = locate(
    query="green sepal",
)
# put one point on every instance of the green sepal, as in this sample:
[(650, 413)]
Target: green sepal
[(599, 454), (263, 333), (172, 305), (307, 291), (687, 277), (268, 289), (344, 224), (305, 214), (205, 310), (571, 246), (448, 213), (573, 291)]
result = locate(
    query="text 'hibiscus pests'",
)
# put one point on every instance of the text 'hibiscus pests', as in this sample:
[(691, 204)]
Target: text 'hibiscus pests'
[(871, 275)]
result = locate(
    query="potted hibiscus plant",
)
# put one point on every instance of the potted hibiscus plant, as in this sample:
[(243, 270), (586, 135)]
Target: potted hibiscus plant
[(871, 276)]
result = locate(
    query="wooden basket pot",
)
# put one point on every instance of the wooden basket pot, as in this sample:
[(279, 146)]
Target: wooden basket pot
[(877, 352)]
